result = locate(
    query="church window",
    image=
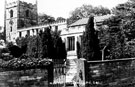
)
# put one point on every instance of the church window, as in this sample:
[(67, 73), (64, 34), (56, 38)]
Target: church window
[(11, 13), (71, 43)]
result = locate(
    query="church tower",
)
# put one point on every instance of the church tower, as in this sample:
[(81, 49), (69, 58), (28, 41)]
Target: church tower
[(19, 15)]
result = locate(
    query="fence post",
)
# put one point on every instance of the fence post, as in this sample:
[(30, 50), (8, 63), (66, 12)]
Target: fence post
[(103, 53)]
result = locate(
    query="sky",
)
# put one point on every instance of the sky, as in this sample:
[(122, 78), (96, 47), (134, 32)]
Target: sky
[(61, 8)]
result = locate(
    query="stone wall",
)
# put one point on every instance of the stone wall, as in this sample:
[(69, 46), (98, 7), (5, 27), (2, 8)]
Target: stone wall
[(24, 78), (111, 73)]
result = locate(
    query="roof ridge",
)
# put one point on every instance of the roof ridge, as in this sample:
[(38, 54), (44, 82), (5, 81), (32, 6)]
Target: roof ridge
[(84, 20)]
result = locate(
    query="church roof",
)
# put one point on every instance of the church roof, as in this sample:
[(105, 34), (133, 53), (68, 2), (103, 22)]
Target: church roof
[(84, 21)]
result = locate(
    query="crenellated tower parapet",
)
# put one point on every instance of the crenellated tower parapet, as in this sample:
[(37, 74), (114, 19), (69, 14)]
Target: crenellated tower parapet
[(19, 14)]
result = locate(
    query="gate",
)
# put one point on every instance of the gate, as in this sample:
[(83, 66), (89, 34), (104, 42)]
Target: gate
[(59, 78)]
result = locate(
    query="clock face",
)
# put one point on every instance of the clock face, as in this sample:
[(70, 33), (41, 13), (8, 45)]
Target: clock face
[(11, 22)]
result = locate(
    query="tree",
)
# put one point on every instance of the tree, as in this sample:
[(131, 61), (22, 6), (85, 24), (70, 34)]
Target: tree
[(60, 49), (78, 50), (126, 12), (55, 35), (52, 44), (2, 36), (90, 42), (30, 45), (59, 45), (48, 44), (34, 47), (15, 51), (120, 34), (2, 33), (113, 38), (48, 50), (86, 11), (60, 19), (44, 18), (23, 41), (23, 44)]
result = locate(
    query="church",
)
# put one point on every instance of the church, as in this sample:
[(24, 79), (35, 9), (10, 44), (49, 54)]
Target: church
[(21, 19)]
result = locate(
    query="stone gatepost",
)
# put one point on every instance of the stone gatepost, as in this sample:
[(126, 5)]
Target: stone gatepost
[(81, 77)]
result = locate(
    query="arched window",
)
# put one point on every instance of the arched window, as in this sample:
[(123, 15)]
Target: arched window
[(27, 13), (11, 28), (11, 13)]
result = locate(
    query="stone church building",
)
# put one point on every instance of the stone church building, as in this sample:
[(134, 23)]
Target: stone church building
[(21, 19)]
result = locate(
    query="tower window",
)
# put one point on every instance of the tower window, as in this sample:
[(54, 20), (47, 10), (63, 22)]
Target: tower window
[(11, 13), (11, 28), (27, 13)]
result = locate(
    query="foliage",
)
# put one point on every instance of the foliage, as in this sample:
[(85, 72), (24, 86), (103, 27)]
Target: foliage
[(15, 51), (119, 44), (55, 35), (130, 49), (60, 49), (126, 13), (4, 54), (34, 47), (60, 19), (28, 63), (2, 36), (22, 41), (30, 46), (44, 18), (86, 11), (90, 42), (2, 33), (120, 32), (59, 45), (78, 50), (9, 44), (52, 44), (47, 44)]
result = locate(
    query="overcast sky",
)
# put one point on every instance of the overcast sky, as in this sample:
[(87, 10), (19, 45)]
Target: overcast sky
[(61, 8)]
